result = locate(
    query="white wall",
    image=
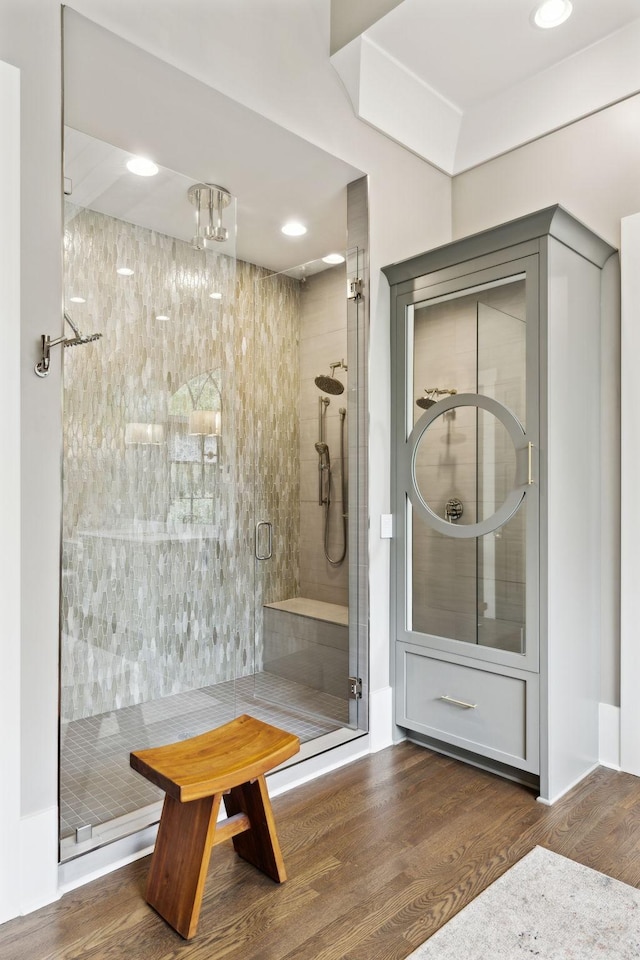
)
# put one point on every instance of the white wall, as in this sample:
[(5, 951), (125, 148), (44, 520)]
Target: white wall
[(591, 169), (10, 481), (630, 653), (278, 64), (30, 40)]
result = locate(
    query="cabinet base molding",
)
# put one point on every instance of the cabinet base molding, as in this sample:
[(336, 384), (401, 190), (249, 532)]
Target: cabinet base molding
[(474, 760)]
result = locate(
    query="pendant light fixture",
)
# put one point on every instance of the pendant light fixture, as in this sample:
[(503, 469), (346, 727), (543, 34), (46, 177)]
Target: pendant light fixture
[(209, 200)]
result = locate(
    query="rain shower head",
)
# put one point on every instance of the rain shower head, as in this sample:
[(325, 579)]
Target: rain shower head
[(78, 341), (425, 402), (79, 338), (330, 384)]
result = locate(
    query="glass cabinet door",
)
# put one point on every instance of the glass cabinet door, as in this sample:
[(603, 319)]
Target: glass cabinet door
[(467, 468)]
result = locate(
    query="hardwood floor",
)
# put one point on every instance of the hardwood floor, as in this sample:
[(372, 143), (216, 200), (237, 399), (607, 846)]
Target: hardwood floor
[(379, 855)]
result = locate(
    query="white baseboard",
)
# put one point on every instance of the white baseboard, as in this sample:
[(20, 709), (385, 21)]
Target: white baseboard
[(381, 726), (97, 863), (609, 752), (38, 860)]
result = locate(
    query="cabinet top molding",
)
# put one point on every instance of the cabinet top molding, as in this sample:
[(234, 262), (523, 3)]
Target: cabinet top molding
[(552, 221)]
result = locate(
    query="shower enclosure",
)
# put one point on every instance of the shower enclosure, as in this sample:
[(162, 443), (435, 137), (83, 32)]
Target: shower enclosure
[(194, 581)]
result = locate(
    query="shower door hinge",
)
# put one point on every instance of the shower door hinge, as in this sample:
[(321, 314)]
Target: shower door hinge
[(355, 289), (355, 688)]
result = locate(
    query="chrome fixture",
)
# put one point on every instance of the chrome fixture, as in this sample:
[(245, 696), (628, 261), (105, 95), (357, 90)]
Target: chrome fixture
[(209, 201), (42, 366), (330, 384), (431, 395), (324, 474), (453, 509), (324, 484)]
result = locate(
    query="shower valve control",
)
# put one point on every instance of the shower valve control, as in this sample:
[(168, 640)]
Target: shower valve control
[(453, 509)]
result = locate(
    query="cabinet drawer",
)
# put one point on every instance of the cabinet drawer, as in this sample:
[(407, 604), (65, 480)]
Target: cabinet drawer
[(475, 708)]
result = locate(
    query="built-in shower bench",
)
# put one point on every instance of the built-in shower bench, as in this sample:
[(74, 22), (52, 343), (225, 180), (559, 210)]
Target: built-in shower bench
[(227, 764), (308, 641)]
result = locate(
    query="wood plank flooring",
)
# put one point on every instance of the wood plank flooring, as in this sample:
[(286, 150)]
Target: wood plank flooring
[(379, 855)]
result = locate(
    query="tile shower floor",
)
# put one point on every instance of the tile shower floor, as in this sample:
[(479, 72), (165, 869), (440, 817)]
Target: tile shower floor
[(97, 784)]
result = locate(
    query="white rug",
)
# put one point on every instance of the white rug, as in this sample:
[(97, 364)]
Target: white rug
[(547, 907)]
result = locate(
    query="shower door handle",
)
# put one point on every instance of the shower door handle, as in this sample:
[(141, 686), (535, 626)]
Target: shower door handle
[(269, 553)]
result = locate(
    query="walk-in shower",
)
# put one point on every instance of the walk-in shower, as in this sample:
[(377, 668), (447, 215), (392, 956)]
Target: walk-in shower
[(182, 446)]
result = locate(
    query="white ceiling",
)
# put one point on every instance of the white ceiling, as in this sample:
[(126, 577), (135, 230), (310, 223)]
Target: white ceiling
[(314, 192), (470, 51), (461, 82), (456, 82)]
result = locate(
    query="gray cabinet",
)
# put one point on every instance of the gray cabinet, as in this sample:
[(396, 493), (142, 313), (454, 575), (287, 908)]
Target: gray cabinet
[(495, 480)]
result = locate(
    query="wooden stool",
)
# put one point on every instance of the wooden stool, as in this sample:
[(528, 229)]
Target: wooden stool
[(194, 774)]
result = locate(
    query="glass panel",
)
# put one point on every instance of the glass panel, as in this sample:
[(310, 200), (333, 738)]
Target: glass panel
[(302, 613), (150, 619), (473, 343), (444, 584), (501, 586), (471, 590), (502, 351)]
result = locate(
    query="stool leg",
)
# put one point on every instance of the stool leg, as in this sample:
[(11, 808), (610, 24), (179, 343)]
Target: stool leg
[(180, 861), (259, 845)]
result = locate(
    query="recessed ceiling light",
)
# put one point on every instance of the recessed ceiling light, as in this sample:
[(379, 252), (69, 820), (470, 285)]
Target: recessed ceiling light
[(552, 13), (77, 299), (161, 316), (294, 229), (216, 296), (333, 258), (125, 271), (142, 167)]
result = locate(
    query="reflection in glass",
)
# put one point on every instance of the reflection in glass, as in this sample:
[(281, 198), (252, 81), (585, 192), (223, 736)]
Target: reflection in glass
[(472, 590), (465, 455)]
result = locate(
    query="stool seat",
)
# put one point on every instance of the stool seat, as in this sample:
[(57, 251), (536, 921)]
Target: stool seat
[(227, 764), (216, 761)]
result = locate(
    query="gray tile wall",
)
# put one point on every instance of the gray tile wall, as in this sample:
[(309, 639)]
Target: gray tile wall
[(323, 340)]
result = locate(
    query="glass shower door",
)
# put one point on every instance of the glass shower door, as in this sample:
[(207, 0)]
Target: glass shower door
[(153, 608), (307, 510)]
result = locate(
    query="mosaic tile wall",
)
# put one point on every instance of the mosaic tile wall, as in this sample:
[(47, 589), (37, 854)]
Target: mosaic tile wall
[(158, 538)]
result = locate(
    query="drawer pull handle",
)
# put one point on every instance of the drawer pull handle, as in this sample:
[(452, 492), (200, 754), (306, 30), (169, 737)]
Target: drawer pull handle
[(459, 703)]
